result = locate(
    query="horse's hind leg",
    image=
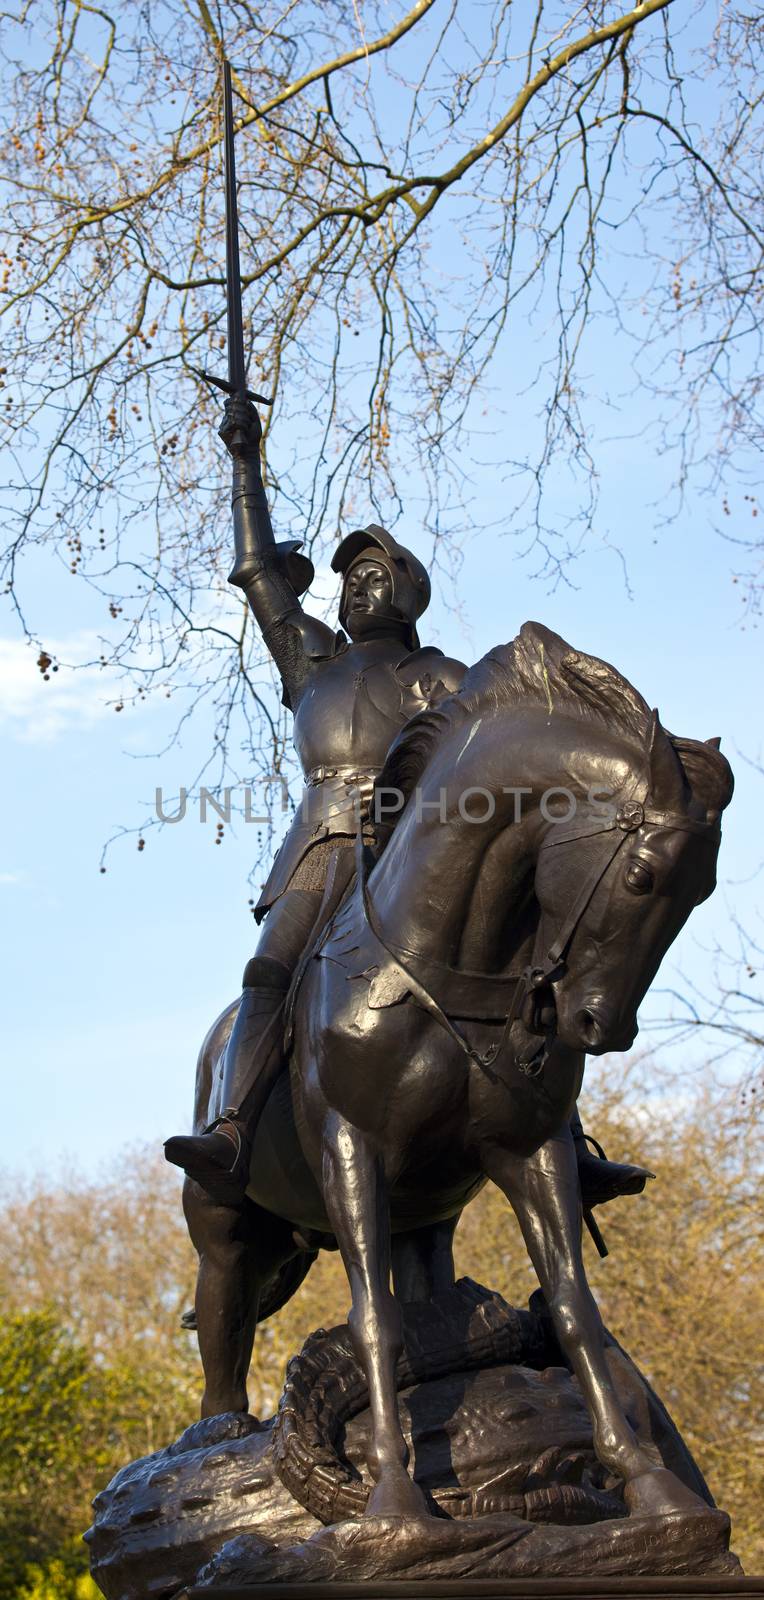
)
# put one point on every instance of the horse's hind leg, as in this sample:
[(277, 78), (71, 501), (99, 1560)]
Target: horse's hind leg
[(423, 1261), (239, 1250), (544, 1193), (356, 1200)]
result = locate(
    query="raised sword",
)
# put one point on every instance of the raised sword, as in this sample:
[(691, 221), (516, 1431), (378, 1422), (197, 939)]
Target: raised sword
[(236, 382)]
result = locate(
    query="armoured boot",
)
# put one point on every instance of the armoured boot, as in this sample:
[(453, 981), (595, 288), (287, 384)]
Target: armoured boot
[(602, 1180), (218, 1158)]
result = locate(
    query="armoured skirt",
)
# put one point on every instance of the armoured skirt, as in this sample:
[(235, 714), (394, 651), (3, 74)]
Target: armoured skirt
[(334, 805)]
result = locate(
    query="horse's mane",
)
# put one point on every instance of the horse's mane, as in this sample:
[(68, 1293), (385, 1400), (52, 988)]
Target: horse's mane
[(539, 668)]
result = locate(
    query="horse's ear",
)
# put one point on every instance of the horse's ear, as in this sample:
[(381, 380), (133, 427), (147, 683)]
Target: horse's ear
[(668, 788), (708, 773), (715, 743)]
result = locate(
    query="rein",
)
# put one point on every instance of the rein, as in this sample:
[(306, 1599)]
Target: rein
[(631, 815)]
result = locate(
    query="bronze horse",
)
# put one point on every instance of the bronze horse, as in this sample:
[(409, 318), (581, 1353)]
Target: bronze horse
[(552, 841)]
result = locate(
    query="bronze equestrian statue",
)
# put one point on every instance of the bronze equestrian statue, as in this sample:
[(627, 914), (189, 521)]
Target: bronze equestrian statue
[(445, 977), (440, 1025), (350, 697)]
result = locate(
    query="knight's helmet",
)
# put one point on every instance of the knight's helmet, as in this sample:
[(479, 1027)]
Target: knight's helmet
[(410, 580)]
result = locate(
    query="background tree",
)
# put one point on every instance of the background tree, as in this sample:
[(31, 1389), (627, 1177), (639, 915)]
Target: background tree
[(417, 185), (116, 1263)]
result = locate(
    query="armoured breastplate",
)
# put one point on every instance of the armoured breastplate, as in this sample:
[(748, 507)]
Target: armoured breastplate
[(353, 706)]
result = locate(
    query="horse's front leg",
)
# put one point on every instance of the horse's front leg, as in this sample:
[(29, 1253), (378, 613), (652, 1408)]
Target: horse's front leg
[(356, 1199), (544, 1193)]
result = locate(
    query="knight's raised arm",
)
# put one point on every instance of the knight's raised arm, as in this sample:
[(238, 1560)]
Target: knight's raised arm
[(241, 432), (273, 575)]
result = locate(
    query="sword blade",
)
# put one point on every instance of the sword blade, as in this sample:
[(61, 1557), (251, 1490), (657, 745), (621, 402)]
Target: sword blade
[(237, 376)]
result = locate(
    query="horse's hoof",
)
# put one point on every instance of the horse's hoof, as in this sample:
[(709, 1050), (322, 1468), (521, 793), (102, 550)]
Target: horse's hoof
[(658, 1493), (398, 1497)]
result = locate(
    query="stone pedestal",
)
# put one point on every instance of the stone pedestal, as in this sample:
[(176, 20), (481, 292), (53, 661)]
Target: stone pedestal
[(501, 1589)]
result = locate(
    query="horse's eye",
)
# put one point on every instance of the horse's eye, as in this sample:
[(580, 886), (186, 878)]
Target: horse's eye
[(639, 878)]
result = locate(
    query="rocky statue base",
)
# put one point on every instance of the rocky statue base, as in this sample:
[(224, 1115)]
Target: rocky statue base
[(500, 1442)]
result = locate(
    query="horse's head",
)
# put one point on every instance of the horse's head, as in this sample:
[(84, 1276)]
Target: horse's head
[(615, 889)]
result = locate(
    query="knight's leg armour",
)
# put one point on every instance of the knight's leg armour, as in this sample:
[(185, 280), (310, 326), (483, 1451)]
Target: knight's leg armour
[(255, 1041), (218, 1158)]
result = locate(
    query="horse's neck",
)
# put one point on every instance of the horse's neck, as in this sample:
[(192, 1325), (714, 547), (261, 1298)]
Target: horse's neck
[(501, 917), (436, 885), (461, 890)]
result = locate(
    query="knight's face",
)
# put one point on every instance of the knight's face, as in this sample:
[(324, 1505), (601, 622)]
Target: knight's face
[(368, 598)]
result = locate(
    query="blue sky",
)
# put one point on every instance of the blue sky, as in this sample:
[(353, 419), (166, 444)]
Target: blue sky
[(111, 980)]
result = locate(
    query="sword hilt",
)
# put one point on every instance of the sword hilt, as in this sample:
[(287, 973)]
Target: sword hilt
[(228, 388)]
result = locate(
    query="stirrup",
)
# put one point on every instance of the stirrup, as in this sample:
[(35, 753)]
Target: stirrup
[(227, 1185), (229, 1117), (587, 1139)]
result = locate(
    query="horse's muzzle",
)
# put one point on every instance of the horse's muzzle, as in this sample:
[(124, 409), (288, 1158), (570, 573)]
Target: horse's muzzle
[(598, 1030)]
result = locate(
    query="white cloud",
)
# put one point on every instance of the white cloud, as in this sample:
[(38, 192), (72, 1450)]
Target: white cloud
[(37, 712), (10, 877)]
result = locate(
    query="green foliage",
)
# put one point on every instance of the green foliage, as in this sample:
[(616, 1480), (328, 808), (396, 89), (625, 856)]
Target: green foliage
[(50, 1445), (64, 1578)]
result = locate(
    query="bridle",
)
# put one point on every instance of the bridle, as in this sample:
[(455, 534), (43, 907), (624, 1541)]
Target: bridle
[(547, 965), (631, 815)]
